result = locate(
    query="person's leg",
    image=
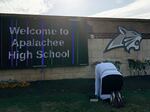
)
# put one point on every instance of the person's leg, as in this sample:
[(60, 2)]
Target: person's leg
[(112, 83), (97, 82)]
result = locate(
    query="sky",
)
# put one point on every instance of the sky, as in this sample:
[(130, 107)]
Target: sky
[(84, 8)]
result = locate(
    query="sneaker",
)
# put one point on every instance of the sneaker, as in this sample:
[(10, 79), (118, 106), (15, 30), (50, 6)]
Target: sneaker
[(120, 99), (116, 99), (94, 98), (112, 98)]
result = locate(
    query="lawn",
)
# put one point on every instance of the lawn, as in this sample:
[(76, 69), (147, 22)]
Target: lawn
[(73, 96)]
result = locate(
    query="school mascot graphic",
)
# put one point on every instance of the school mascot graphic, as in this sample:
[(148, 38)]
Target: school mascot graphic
[(127, 39)]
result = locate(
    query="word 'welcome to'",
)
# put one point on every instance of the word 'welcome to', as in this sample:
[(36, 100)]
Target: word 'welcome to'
[(38, 31)]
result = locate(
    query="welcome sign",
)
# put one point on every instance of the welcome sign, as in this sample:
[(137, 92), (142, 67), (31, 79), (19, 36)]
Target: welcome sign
[(42, 41)]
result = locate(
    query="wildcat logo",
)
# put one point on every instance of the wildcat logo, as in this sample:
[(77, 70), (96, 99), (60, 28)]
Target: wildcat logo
[(126, 39)]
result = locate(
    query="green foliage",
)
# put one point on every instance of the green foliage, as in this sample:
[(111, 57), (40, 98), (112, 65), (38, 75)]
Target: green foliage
[(13, 84), (117, 64), (138, 66)]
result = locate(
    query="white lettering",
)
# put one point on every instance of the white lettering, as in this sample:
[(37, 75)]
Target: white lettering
[(37, 43), (14, 30), (52, 54), (32, 31), (15, 43), (22, 56)]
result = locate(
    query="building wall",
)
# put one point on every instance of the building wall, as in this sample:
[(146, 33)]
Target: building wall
[(95, 47), (100, 34)]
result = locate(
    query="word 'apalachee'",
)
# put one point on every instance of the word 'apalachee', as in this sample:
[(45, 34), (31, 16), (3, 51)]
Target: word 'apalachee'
[(37, 43)]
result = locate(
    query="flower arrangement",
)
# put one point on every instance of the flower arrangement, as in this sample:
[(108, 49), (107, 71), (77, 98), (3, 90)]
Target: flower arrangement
[(13, 84), (137, 66)]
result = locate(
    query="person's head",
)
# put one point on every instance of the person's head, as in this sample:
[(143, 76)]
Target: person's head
[(96, 62), (105, 61)]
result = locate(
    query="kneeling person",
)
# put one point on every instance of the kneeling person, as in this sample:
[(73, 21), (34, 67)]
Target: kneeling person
[(108, 81)]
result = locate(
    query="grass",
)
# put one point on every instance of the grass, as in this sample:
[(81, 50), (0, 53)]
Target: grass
[(73, 96)]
